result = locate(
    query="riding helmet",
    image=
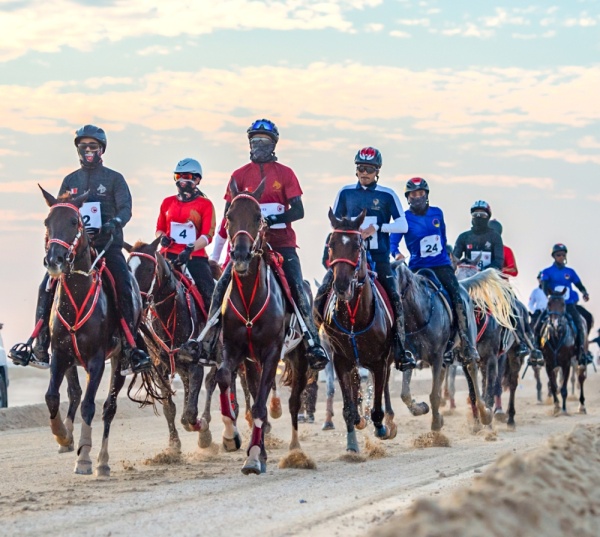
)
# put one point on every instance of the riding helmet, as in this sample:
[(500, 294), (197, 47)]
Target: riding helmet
[(414, 184), (370, 156), (559, 247), (264, 126), (189, 165), (91, 131), (481, 205)]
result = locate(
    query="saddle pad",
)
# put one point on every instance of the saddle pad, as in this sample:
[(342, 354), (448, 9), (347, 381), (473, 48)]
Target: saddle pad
[(275, 261), (187, 283), (436, 285), (386, 301)]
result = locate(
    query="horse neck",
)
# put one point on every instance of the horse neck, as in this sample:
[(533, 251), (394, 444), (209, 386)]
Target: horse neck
[(247, 282), (412, 293), (166, 280)]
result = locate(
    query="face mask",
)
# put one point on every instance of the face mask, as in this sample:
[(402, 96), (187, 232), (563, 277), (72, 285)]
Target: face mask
[(89, 158), (418, 205), (187, 189), (480, 224), (262, 150)]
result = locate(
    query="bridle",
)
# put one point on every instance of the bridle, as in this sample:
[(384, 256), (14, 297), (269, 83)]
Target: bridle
[(256, 249), (71, 247), (356, 264), (155, 278)]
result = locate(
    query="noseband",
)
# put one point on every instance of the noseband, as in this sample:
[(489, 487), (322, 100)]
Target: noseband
[(256, 249), (354, 264), (71, 248)]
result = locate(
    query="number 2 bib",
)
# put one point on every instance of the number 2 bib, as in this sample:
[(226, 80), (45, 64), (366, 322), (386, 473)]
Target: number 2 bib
[(183, 233), (431, 245), (91, 215)]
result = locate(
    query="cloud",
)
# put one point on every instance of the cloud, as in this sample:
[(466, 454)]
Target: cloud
[(503, 181), (157, 50), (566, 155), (589, 142)]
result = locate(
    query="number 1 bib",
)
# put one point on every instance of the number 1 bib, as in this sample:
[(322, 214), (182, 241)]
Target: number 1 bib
[(183, 233)]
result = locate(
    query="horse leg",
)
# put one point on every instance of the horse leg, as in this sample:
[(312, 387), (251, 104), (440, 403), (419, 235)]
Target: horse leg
[(299, 367), (170, 409), (416, 409), (513, 365), (350, 412), (110, 409), (205, 436), (581, 376), (275, 409), (451, 374), (311, 390), (190, 419), (389, 411), (74, 394), (380, 377), (499, 414), (330, 384), (435, 397), (256, 463), (553, 386), (231, 437), (88, 409), (357, 397), (538, 383), (247, 396), (564, 389), (485, 414), (61, 433)]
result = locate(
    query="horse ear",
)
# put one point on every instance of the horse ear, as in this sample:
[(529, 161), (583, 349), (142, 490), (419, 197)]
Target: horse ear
[(233, 188), (476, 260), (78, 201), (50, 199), (127, 247), (360, 218), (334, 221), (155, 243), (260, 189)]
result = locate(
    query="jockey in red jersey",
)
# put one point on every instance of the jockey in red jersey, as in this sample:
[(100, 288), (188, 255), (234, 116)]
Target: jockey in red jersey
[(281, 204), (186, 224), (509, 265)]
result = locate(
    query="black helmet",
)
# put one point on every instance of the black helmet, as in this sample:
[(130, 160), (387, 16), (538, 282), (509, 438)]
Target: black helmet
[(496, 226), (414, 184), (91, 131), (559, 247), (481, 205), (369, 156), (264, 126)]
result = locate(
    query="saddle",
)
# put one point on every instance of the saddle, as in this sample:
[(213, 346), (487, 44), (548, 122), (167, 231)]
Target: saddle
[(275, 261), (438, 287), (191, 289)]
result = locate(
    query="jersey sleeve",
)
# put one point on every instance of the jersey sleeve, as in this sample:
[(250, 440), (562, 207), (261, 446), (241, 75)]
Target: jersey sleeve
[(161, 223), (510, 264), (459, 247), (208, 223), (292, 185)]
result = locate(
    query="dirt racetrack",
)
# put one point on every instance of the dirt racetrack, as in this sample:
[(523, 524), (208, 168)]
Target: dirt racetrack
[(204, 492)]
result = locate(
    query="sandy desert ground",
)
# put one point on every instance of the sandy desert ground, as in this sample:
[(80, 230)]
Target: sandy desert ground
[(394, 488)]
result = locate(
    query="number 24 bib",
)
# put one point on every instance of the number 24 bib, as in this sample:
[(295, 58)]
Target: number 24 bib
[(431, 245), (183, 233)]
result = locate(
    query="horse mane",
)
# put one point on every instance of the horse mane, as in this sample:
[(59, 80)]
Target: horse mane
[(139, 244), (65, 196)]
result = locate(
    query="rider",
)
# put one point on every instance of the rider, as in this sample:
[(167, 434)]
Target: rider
[(480, 243), (186, 225), (558, 277), (382, 205), (509, 266), (537, 301), (108, 191), (427, 244), (281, 202)]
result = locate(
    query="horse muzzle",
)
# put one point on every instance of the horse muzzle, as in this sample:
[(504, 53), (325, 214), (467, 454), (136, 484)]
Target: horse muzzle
[(344, 292), (54, 265)]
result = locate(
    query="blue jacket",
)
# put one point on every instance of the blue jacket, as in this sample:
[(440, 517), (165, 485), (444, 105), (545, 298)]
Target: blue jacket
[(381, 203), (555, 278), (425, 239)]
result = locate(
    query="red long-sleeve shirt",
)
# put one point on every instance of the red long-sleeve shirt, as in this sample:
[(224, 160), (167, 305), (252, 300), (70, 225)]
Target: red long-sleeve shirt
[(509, 266)]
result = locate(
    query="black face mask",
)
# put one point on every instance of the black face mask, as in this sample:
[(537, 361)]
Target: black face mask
[(89, 159), (480, 224), (187, 190), (262, 150), (419, 205)]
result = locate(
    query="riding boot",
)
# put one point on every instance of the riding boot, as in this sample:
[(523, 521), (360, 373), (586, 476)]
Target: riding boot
[(37, 355), (522, 349), (315, 353), (136, 360), (403, 359), (468, 344)]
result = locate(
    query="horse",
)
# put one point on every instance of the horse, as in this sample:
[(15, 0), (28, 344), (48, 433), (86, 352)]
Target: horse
[(257, 317), (84, 327), (172, 316), (428, 329), (358, 328), (558, 345)]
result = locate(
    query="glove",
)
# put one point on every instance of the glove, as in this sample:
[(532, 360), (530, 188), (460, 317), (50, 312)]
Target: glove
[(109, 227), (271, 220), (586, 297), (184, 256), (166, 241)]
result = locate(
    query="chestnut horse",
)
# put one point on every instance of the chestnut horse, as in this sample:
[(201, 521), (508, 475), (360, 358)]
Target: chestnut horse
[(358, 329), (256, 318)]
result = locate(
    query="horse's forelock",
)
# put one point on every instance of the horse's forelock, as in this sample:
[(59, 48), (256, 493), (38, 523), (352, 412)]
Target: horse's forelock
[(139, 245), (346, 224), (65, 197)]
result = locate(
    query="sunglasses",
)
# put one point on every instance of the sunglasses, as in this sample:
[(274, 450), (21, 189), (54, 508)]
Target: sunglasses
[(367, 169), (93, 146), (186, 176), (262, 124), (260, 140), (560, 254), (480, 214)]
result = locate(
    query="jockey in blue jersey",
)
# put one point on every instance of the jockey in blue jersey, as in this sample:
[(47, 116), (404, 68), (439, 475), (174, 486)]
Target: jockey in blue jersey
[(385, 215), (426, 243), (557, 278)]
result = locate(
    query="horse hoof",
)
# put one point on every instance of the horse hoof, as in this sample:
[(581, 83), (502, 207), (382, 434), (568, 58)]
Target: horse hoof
[(301, 418), (232, 444), (275, 410), (419, 409), (511, 426), (328, 426), (103, 471), (253, 467), (486, 416), (66, 449), (382, 432), (361, 424), (581, 410), (83, 467), (204, 439), (436, 425), (500, 415)]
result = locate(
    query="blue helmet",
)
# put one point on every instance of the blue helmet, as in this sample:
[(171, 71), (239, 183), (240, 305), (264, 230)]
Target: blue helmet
[(264, 126), (91, 131), (370, 156), (481, 205), (559, 247), (189, 165)]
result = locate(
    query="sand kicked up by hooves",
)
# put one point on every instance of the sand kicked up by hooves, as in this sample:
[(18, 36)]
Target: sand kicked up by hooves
[(431, 439), (297, 459)]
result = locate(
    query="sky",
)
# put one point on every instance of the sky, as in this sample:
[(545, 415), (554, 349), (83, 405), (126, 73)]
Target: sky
[(486, 100)]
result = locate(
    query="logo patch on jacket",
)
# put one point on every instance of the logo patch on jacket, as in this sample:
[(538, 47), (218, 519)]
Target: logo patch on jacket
[(276, 185), (567, 276), (436, 222), (488, 244), (101, 189), (469, 246), (73, 191)]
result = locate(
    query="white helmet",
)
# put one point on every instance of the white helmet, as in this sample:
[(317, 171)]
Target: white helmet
[(189, 165)]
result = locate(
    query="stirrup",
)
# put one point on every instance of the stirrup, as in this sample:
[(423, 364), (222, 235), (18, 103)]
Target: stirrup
[(317, 357), (407, 362), (21, 353)]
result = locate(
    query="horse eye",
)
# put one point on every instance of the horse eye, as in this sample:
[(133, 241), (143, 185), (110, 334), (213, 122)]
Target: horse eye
[(74, 221)]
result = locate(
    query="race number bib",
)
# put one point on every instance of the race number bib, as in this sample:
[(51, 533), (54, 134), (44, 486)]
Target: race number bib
[(431, 245), (183, 233), (268, 209), (90, 214), (371, 241), (560, 288), (485, 258)]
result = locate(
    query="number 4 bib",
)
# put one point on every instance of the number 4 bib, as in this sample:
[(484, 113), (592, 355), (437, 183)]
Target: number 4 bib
[(431, 245), (183, 233)]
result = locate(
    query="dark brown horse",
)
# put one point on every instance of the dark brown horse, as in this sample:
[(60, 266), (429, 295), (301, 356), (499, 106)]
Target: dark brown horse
[(358, 329), (172, 316), (84, 328), (256, 319)]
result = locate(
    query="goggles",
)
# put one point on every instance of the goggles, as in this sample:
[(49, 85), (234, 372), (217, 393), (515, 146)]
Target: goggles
[(367, 169), (260, 140), (480, 214), (92, 146), (186, 176), (262, 124)]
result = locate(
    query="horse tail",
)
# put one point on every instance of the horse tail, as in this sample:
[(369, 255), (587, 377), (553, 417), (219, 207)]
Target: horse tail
[(287, 377), (492, 293), (148, 391)]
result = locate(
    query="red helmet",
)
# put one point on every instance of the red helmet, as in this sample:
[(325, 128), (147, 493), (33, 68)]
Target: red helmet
[(414, 184)]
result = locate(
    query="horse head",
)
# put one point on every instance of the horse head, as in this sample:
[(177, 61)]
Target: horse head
[(65, 232), (346, 254), (556, 307), (245, 226), (143, 264)]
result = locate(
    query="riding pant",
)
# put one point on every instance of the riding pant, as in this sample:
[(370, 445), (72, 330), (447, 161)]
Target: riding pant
[(199, 268)]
